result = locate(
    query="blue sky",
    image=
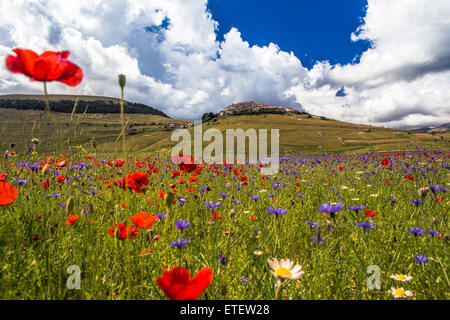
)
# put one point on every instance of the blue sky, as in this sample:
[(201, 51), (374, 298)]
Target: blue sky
[(314, 30)]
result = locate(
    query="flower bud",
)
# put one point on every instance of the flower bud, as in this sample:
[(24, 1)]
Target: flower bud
[(35, 141), (70, 204), (122, 80), (169, 197), (45, 169)]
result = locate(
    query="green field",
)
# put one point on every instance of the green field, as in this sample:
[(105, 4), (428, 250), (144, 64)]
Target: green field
[(147, 132)]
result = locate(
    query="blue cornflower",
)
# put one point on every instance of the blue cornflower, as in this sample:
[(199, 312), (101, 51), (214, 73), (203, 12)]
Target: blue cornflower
[(435, 188), (223, 195), (181, 202), (433, 232), (223, 260), (318, 239), (416, 231), (255, 198), (311, 224), (277, 211), (416, 202), (364, 225), (331, 208), (94, 192), (179, 243), (211, 205), (161, 215), (356, 208), (20, 181), (55, 195), (420, 258), (244, 280), (181, 224)]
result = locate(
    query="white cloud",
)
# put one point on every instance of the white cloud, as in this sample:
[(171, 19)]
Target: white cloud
[(173, 61), (403, 80)]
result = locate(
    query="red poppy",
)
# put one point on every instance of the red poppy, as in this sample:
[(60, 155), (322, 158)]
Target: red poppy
[(370, 213), (385, 162), (122, 231), (8, 193), (119, 163), (48, 66), (71, 219), (410, 177), (178, 285), (61, 179), (137, 181), (185, 162), (143, 220), (3, 177)]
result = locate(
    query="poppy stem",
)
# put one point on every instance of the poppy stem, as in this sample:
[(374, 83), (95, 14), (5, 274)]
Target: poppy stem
[(47, 112)]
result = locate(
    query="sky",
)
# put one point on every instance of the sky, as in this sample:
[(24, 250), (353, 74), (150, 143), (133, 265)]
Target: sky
[(378, 62), (296, 26)]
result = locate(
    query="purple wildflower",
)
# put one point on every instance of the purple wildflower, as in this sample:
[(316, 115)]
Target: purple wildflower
[(179, 243), (277, 211), (416, 231), (420, 258), (181, 224)]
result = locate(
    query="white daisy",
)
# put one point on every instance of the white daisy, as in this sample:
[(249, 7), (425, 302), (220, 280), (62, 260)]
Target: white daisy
[(400, 277), (257, 252), (285, 268), (400, 293)]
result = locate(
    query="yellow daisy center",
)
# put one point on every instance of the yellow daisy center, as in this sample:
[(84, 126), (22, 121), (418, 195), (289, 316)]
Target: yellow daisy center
[(401, 277), (282, 272), (399, 292)]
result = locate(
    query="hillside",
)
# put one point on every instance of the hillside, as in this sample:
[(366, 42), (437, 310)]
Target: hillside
[(313, 134), (20, 126), (147, 132), (66, 104)]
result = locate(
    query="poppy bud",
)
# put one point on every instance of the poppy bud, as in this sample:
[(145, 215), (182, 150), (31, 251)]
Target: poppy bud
[(46, 169), (122, 80), (168, 198), (117, 233), (70, 204)]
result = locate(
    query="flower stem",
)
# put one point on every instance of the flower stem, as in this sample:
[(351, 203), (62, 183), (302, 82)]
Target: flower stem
[(279, 287), (47, 113)]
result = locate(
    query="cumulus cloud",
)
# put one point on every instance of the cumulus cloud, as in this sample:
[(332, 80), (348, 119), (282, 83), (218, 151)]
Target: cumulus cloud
[(403, 80), (173, 61)]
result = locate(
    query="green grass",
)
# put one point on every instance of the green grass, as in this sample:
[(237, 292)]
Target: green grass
[(334, 269), (300, 133), (114, 269)]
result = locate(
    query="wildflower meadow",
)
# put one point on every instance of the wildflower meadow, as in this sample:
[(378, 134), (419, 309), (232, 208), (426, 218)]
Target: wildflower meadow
[(80, 224)]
